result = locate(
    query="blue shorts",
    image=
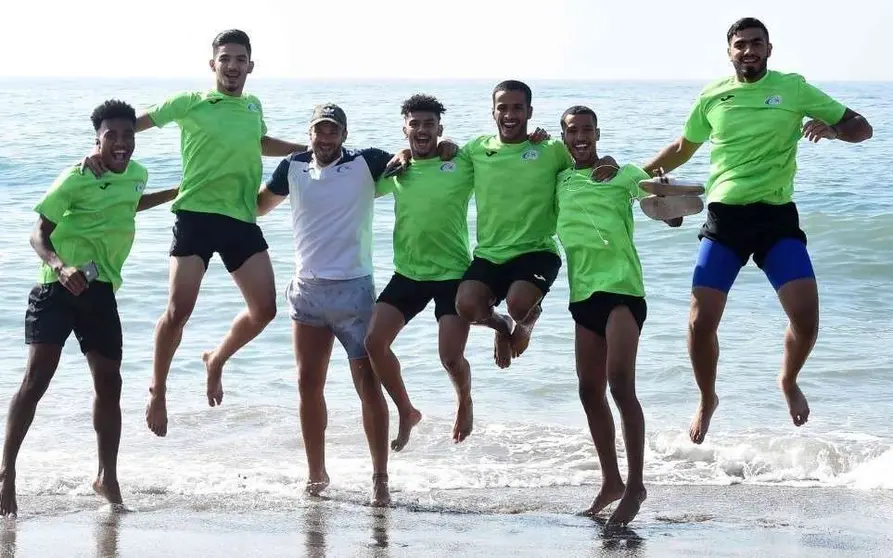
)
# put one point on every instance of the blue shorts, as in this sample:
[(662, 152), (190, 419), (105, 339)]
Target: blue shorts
[(342, 306), (769, 233)]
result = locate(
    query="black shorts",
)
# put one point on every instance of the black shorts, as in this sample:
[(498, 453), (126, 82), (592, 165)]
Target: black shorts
[(411, 297), (53, 313), (202, 234), (539, 268), (593, 313), (752, 229)]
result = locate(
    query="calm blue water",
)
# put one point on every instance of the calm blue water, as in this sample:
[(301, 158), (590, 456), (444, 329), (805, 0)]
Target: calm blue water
[(530, 429)]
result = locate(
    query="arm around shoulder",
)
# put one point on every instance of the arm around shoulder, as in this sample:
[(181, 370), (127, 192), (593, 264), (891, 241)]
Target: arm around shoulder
[(672, 156), (853, 127), (148, 201)]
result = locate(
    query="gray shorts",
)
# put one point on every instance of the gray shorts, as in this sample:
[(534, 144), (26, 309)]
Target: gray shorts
[(343, 306)]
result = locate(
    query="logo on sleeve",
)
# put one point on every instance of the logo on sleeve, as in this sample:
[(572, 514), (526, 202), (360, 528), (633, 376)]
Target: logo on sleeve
[(530, 155), (448, 166), (104, 185), (139, 187), (253, 107), (725, 98), (773, 100)]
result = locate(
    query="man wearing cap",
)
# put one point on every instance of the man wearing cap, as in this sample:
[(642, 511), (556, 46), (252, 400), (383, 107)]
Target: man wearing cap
[(332, 192)]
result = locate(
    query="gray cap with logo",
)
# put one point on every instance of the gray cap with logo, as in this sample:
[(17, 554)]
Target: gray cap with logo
[(328, 112)]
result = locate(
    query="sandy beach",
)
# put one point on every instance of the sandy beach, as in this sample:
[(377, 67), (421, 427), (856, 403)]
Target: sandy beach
[(675, 521)]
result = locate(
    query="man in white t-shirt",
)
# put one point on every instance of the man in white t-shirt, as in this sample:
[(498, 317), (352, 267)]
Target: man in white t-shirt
[(332, 192)]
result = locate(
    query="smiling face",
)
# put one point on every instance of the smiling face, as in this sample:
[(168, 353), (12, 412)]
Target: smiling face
[(326, 139), (580, 135), (115, 138), (231, 65), (422, 130), (511, 113), (749, 51)]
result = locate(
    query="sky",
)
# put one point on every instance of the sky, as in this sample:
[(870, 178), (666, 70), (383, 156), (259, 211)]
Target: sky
[(466, 39)]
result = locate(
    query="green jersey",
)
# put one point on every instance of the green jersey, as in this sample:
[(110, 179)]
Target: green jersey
[(95, 219), (514, 190), (431, 218), (754, 129), (220, 147), (596, 227)]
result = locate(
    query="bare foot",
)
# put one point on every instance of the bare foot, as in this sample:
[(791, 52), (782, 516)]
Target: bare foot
[(215, 378), (521, 334), (8, 505), (628, 507), (607, 495), (407, 422), (502, 350), (381, 494), (464, 420), (701, 421), (156, 415), (108, 490), (314, 487), (797, 403)]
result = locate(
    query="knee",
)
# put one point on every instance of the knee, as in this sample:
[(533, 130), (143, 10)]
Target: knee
[(623, 393), (519, 307), (702, 322), (470, 308), (265, 313), (806, 326), (591, 394), (451, 362), (376, 344), (309, 385), (34, 385), (108, 391), (176, 315)]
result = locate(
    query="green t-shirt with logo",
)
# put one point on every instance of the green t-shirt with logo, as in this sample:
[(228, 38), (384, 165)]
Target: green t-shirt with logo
[(514, 190), (220, 146), (754, 129), (596, 227), (95, 219), (431, 218)]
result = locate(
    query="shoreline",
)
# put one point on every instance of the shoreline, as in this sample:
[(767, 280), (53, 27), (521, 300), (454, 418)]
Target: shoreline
[(738, 520)]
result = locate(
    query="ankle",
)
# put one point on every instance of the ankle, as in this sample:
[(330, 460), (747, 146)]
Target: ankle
[(379, 478)]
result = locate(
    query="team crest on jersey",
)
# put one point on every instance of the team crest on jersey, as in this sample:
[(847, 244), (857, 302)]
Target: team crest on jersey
[(774, 100), (530, 155), (449, 166), (139, 187), (253, 107)]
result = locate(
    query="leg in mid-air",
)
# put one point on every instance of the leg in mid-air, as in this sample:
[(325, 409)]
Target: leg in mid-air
[(107, 423), (452, 337), (715, 272), (531, 277), (43, 359), (254, 277), (186, 273), (789, 269), (476, 304), (386, 323), (622, 340), (313, 350)]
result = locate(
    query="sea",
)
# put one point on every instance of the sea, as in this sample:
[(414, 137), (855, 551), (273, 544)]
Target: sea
[(530, 431)]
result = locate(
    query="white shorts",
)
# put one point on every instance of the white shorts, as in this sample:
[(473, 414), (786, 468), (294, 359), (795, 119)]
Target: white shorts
[(343, 306)]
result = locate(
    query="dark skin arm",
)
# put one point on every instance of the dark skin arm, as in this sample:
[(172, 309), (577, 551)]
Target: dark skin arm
[(272, 147), (671, 157), (148, 201), (69, 277), (852, 128)]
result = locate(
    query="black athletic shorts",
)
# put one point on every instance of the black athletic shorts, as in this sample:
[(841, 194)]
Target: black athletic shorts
[(53, 313), (411, 297), (202, 234), (593, 313), (539, 268), (751, 229)]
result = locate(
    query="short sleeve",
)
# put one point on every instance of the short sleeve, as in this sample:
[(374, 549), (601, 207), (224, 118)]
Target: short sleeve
[(815, 103), (632, 176), (263, 122), (174, 108), (57, 199), (697, 128), (278, 183), (377, 160), (563, 157)]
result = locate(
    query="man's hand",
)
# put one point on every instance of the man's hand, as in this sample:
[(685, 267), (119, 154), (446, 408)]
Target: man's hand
[(538, 136), (73, 280), (605, 169), (814, 130), (398, 163), (93, 162), (447, 149)]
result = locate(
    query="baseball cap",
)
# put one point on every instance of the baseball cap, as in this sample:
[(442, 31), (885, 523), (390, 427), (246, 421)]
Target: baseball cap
[(328, 112)]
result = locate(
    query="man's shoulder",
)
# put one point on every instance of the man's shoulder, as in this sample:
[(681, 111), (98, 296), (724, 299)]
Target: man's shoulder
[(718, 87)]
